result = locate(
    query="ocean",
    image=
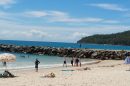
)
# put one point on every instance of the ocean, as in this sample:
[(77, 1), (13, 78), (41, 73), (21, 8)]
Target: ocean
[(26, 61), (66, 45)]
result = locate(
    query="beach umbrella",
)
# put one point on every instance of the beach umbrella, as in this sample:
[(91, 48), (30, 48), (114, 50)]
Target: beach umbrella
[(7, 57), (127, 60)]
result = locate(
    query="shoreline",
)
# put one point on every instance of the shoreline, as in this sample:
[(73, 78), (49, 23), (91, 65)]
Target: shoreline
[(59, 66), (103, 73)]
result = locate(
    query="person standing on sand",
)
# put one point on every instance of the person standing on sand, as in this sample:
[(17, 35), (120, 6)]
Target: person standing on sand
[(36, 64), (127, 60), (80, 62), (76, 62), (72, 62), (65, 63)]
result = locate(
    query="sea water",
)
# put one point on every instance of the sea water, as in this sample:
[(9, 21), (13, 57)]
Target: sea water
[(65, 45), (27, 61)]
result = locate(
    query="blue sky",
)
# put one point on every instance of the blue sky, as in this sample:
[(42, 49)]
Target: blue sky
[(62, 20)]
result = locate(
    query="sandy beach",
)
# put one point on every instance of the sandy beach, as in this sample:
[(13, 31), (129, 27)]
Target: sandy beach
[(104, 73)]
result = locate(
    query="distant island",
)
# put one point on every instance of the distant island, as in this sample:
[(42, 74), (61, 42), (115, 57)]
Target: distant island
[(122, 38)]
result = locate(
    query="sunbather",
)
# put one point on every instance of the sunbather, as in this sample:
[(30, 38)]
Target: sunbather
[(6, 74)]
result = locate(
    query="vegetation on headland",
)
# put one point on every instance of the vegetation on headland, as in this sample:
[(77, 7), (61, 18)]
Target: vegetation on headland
[(122, 38)]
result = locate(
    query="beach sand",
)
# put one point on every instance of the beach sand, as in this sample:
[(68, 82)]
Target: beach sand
[(104, 73)]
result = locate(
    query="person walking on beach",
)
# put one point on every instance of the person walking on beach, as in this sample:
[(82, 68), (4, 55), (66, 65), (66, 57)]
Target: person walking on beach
[(80, 62), (77, 62), (36, 64), (72, 61), (65, 63)]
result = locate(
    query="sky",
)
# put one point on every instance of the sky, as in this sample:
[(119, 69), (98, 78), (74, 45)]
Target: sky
[(62, 20)]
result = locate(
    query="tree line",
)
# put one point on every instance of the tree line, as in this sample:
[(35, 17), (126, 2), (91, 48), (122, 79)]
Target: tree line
[(122, 38)]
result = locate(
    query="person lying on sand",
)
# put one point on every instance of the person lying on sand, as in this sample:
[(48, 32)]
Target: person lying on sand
[(6, 74)]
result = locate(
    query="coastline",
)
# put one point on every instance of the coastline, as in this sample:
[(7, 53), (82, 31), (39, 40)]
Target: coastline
[(104, 73), (58, 66), (101, 72)]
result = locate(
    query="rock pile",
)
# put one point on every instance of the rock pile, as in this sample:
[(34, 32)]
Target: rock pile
[(65, 52)]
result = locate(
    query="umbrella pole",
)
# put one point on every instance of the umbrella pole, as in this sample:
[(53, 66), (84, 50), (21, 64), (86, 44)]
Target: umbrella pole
[(5, 64), (5, 67)]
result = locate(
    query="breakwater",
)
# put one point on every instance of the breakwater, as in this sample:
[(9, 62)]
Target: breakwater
[(65, 52)]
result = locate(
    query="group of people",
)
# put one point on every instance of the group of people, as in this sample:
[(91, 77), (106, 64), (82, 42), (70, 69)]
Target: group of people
[(74, 62)]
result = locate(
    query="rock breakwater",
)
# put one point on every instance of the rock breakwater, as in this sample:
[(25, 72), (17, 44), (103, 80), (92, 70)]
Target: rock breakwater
[(66, 52)]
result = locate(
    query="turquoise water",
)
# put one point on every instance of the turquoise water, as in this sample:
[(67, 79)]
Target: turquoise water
[(25, 61)]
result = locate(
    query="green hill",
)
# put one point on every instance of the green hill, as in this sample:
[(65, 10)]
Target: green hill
[(122, 38)]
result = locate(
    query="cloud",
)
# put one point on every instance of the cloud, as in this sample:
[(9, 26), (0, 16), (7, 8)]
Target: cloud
[(59, 16), (44, 14), (22, 34), (107, 6), (127, 15), (54, 17), (35, 14), (82, 20), (15, 31), (21, 31), (7, 3), (38, 33), (77, 35), (2, 14), (75, 20), (112, 21)]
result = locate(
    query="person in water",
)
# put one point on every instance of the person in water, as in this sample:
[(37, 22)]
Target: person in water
[(80, 45), (36, 64), (4, 64)]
